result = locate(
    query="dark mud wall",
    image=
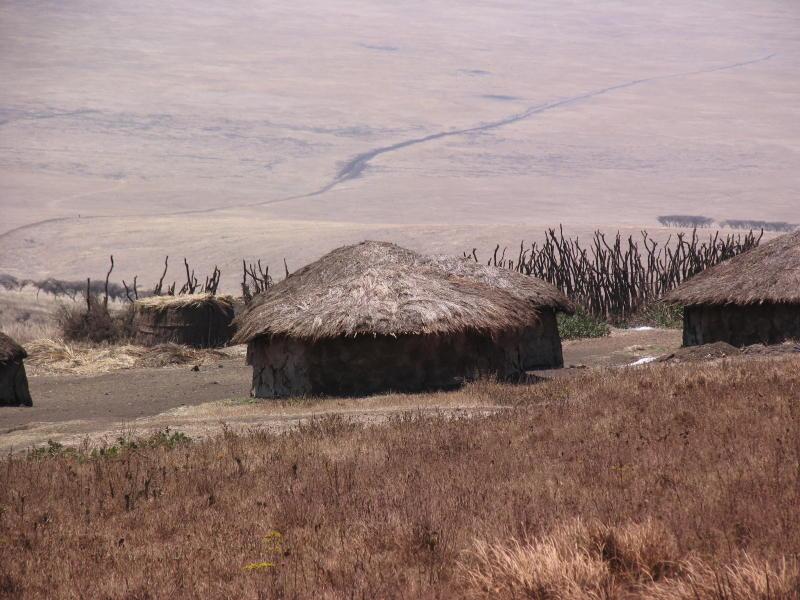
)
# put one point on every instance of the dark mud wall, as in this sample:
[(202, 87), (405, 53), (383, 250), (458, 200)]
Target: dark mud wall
[(204, 326), (367, 365), (14, 385), (741, 325), (540, 345)]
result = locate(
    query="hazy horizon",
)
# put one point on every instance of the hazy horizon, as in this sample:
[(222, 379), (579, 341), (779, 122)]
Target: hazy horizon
[(273, 129)]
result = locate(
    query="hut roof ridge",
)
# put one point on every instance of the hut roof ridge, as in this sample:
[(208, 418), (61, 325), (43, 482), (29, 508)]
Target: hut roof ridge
[(379, 288), (769, 273), (184, 300)]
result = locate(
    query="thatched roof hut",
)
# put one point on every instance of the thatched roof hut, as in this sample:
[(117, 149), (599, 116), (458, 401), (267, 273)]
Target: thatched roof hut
[(374, 316), (13, 381), (751, 298), (198, 320)]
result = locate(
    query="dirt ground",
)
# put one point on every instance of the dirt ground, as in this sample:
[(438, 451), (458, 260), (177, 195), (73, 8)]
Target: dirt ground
[(72, 408)]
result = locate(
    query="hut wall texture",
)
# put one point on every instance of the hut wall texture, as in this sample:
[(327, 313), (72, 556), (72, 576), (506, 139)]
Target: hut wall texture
[(14, 385), (541, 344), (204, 326), (366, 365), (741, 325)]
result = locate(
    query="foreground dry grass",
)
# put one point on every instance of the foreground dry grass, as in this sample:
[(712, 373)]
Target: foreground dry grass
[(659, 482)]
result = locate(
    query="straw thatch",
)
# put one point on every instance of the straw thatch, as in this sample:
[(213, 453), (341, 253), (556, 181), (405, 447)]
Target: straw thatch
[(13, 381), (380, 289), (187, 300), (768, 274), (198, 320)]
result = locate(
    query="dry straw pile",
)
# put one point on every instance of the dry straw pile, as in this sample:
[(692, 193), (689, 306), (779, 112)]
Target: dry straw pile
[(55, 356)]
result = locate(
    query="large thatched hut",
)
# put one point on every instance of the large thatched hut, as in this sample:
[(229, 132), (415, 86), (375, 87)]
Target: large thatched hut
[(751, 298), (374, 317), (198, 320), (13, 381)]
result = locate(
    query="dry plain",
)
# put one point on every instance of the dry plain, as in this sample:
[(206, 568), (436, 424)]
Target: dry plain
[(273, 130)]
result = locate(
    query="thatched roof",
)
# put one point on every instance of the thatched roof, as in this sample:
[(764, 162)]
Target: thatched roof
[(184, 301), (768, 273), (378, 288), (10, 351), (541, 293)]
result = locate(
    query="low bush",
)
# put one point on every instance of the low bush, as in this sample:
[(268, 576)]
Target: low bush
[(581, 325), (94, 322)]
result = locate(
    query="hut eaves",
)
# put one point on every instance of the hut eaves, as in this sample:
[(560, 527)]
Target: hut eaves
[(769, 273), (379, 288)]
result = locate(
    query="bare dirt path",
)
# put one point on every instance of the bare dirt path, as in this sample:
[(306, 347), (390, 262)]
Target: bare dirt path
[(70, 408)]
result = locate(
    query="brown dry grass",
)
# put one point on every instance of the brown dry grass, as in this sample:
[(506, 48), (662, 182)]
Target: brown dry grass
[(656, 482), (25, 316)]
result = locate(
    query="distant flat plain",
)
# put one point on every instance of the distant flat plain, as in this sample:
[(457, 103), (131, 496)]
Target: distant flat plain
[(218, 131)]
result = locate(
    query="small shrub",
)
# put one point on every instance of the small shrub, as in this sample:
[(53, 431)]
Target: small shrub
[(52, 449), (96, 323), (581, 325), (164, 438)]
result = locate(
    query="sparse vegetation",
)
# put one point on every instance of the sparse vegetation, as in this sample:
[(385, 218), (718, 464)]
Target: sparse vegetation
[(164, 438), (655, 482), (581, 325)]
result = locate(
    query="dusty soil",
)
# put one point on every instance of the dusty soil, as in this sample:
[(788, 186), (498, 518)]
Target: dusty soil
[(622, 347), (71, 408)]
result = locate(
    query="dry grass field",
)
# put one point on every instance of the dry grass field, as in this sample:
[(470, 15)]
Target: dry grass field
[(655, 482)]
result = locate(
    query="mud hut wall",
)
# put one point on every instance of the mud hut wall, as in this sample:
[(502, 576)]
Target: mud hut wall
[(14, 385), (199, 326), (741, 325), (541, 344), (366, 364)]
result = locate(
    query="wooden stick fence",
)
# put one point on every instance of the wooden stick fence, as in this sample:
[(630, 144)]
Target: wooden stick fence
[(612, 280)]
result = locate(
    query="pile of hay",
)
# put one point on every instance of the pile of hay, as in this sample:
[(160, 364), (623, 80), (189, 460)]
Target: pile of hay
[(56, 357), (13, 381), (197, 320)]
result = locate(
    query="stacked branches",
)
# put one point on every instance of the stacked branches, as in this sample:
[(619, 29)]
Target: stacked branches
[(613, 280)]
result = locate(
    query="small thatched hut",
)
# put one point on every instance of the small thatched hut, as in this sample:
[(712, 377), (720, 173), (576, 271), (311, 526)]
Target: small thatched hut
[(198, 320), (751, 298), (374, 317), (13, 381)]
